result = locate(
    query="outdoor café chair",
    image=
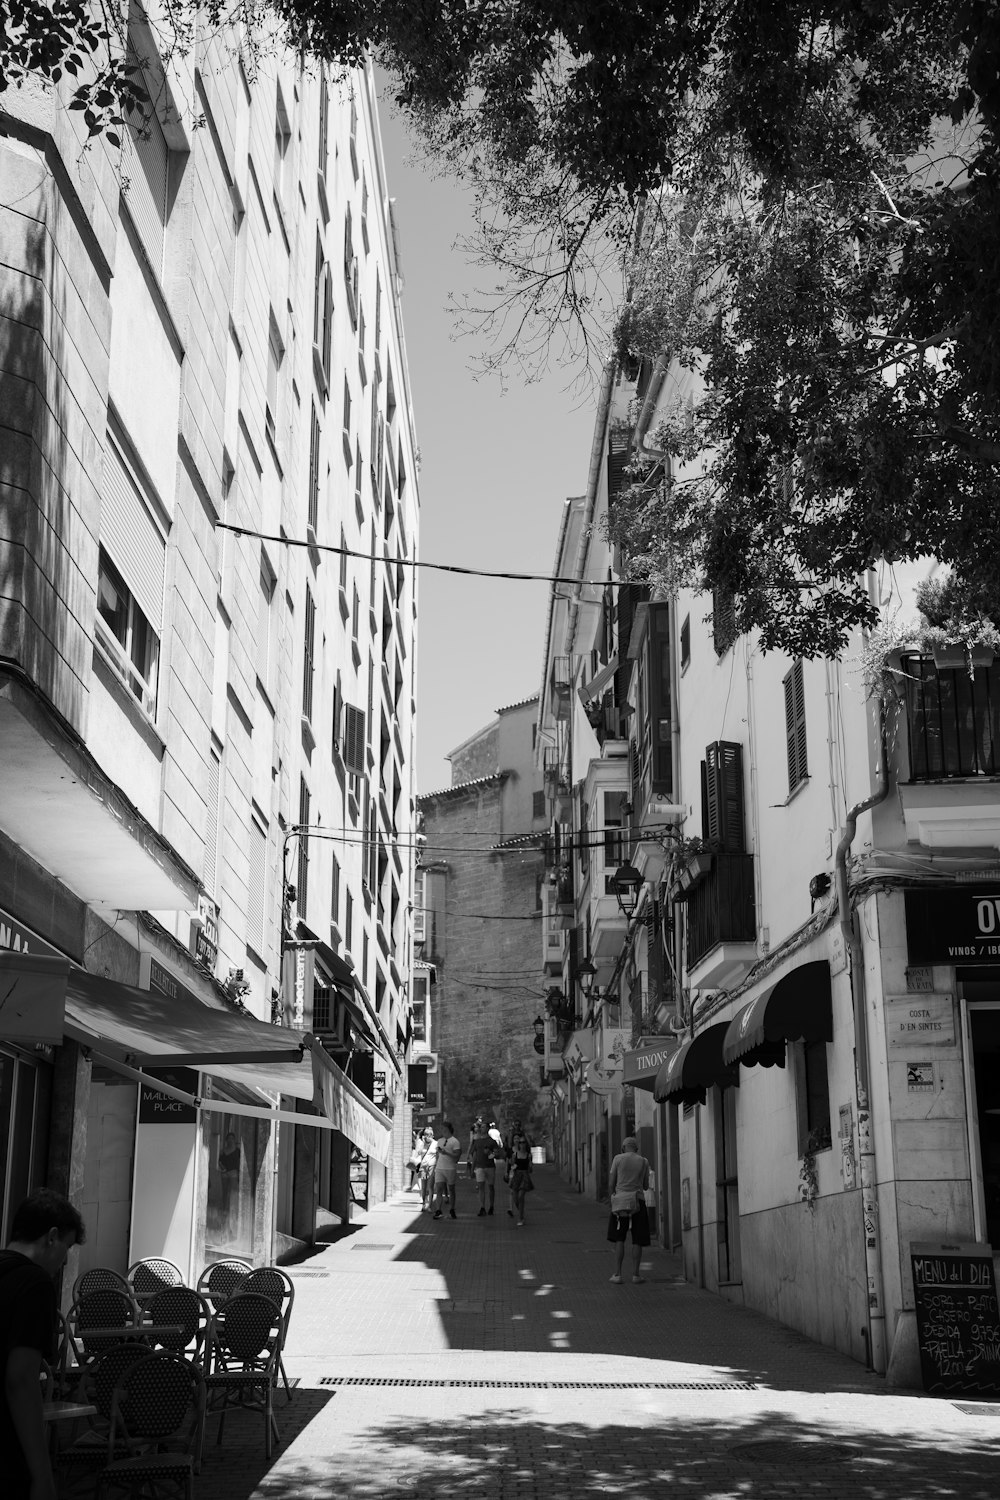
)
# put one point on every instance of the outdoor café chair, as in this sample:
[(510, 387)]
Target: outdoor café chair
[(243, 1369), (99, 1279), (273, 1282), (187, 1308), (151, 1275), (157, 1412), (218, 1282), (104, 1309), (97, 1387)]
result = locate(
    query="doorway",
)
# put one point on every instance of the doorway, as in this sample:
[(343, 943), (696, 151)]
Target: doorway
[(984, 1115), (727, 1193), (106, 1199)]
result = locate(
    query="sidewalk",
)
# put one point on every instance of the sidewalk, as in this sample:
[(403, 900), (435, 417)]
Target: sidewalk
[(474, 1358)]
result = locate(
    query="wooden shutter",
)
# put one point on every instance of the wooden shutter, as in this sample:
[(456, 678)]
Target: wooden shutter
[(354, 739), (795, 726), (132, 538), (658, 698), (723, 788), (308, 656), (314, 442), (303, 862), (255, 887)]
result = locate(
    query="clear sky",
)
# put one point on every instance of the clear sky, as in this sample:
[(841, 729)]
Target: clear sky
[(495, 469)]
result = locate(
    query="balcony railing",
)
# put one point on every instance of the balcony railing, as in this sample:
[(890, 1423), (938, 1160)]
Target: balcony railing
[(953, 719), (721, 909)]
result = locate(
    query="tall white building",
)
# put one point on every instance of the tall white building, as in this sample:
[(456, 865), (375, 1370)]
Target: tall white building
[(207, 733)]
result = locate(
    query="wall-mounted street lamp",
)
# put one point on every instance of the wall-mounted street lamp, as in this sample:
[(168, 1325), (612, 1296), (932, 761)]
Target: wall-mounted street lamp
[(585, 976), (626, 883)]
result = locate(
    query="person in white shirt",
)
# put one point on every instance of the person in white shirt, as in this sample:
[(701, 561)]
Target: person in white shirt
[(629, 1174), (449, 1149)]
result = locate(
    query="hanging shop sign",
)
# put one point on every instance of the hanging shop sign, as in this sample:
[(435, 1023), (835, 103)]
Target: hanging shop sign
[(956, 926), (641, 1066), (416, 1084), (163, 1109)]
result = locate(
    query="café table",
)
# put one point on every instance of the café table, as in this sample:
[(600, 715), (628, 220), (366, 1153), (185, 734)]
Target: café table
[(66, 1411), (131, 1331)]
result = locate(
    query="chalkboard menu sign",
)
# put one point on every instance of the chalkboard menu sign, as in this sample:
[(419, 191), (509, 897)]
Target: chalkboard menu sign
[(958, 1323)]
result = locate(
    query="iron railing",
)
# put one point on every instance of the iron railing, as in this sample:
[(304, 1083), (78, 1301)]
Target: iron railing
[(953, 719)]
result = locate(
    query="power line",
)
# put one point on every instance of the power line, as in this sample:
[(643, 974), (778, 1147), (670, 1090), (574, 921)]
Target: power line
[(414, 562)]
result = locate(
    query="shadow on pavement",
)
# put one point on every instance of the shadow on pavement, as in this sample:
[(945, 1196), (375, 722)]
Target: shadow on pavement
[(237, 1465), (512, 1455)]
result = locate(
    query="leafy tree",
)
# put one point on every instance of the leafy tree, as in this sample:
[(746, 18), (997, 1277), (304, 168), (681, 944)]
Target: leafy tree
[(776, 187)]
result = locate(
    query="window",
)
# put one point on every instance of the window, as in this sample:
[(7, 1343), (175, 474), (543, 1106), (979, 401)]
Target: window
[(324, 124), (347, 419), (814, 1098), (723, 620), (282, 151), (348, 920), (314, 469), (390, 395), (685, 642), (130, 581), (722, 796), (378, 314), (355, 614), (538, 804), (309, 663), (213, 822), (338, 713), (354, 739), (354, 138), (364, 213), (335, 890), (146, 167), (350, 267), (795, 726), (265, 624), (615, 843), (322, 317), (322, 1019), (303, 861), (275, 355), (343, 559), (255, 887)]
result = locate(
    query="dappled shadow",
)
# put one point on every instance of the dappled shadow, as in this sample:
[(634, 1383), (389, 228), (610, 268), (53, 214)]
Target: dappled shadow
[(546, 1289), (510, 1453), (238, 1464)]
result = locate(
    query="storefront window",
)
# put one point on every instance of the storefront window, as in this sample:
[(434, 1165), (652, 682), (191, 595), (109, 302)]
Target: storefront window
[(232, 1183), (24, 1110)]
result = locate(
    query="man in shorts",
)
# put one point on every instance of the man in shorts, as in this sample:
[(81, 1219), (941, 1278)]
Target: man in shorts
[(483, 1152), (629, 1174), (449, 1149), (44, 1230)]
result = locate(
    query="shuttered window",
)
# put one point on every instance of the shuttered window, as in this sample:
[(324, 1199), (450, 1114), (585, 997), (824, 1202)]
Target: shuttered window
[(303, 867), (795, 726), (354, 739), (131, 537), (309, 664), (212, 824), (314, 450), (722, 794), (145, 168), (255, 888)]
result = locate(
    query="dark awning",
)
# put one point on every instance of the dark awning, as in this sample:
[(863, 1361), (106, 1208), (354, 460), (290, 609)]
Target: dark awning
[(797, 1008), (697, 1065)]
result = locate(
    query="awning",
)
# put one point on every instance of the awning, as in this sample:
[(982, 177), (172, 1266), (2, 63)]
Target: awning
[(146, 1029), (595, 687), (697, 1065), (797, 1008), (385, 1044)]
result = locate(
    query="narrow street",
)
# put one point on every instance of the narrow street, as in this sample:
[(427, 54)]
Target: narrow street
[(474, 1358)]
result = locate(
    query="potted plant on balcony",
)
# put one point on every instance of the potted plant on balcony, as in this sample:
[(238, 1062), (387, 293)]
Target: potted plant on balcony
[(690, 862), (957, 632)]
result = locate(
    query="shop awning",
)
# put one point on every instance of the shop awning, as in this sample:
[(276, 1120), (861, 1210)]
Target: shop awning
[(797, 1008), (145, 1029), (697, 1065)]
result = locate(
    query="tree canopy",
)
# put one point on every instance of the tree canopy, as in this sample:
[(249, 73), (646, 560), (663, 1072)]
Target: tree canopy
[(796, 202)]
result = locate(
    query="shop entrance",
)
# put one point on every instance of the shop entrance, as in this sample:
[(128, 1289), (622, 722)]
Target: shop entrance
[(727, 1191), (984, 1070)]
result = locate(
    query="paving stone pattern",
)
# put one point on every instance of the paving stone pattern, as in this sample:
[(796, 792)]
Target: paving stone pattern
[(471, 1358)]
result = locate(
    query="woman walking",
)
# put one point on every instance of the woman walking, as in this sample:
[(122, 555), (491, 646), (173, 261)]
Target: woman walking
[(628, 1177), (427, 1172), (520, 1171)]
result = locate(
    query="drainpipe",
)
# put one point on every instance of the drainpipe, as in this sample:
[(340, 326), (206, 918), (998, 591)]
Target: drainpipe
[(867, 1165)]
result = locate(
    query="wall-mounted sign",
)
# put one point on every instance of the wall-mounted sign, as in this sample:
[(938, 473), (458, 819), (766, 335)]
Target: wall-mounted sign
[(920, 1078), (927, 1019), (956, 926), (162, 1109)]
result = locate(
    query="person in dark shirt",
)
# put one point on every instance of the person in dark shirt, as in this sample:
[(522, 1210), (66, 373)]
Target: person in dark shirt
[(44, 1230)]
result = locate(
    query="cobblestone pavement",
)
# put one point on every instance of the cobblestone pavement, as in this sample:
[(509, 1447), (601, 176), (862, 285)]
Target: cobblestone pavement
[(472, 1358)]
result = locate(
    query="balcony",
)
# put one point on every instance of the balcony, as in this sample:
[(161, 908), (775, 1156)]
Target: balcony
[(952, 799), (722, 922)]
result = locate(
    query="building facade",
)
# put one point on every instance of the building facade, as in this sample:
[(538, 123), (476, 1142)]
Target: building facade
[(207, 717), (479, 901), (796, 995)]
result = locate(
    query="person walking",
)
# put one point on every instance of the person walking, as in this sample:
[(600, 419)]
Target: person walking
[(449, 1149), (427, 1163), (416, 1158), (508, 1170), (520, 1171), (628, 1177), (44, 1229), (483, 1152)]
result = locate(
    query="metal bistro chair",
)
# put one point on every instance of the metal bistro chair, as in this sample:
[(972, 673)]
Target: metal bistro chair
[(151, 1275), (243, 1370), (273, 1282), (190, 1310), (221, 1280), (99, 1279), (97, 1386), (158, 1408), (105, 1309)]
